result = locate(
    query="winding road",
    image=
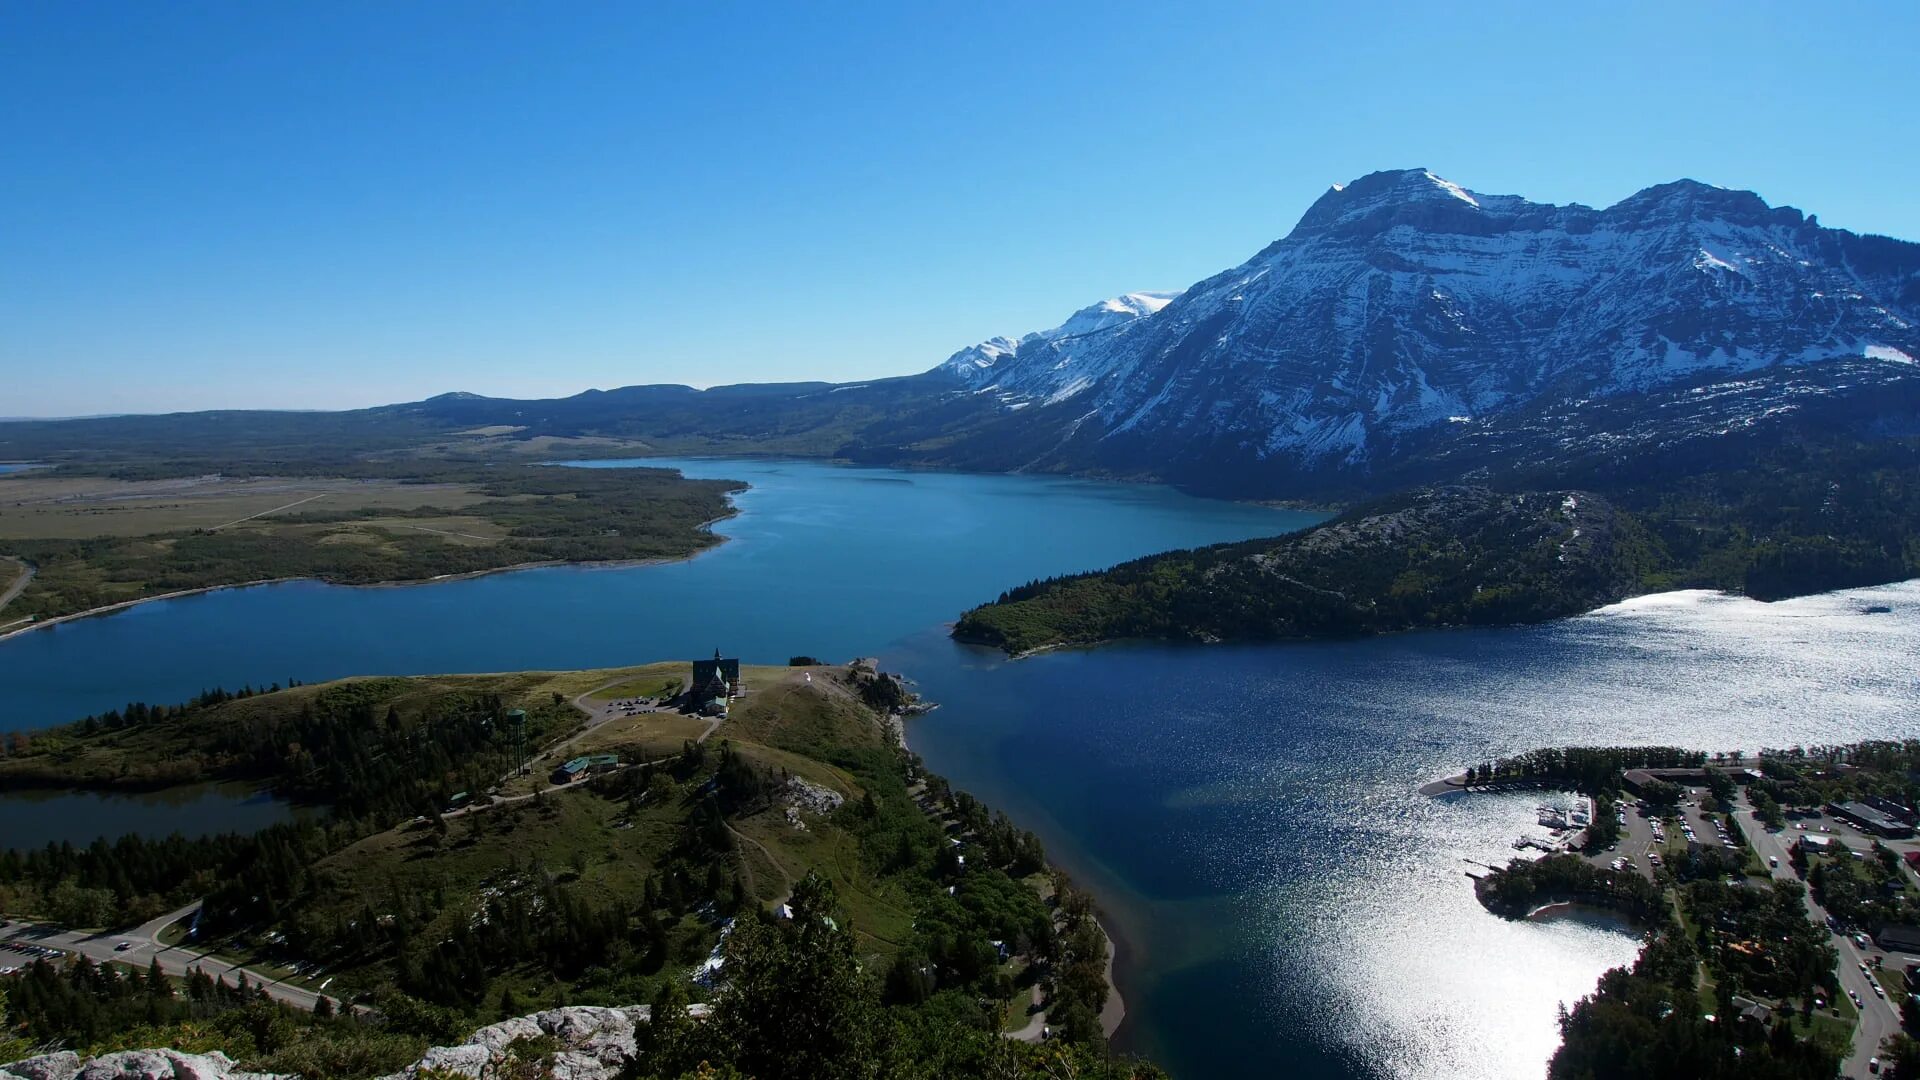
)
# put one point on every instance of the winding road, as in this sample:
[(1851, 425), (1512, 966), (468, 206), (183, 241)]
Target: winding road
[(143, 946)]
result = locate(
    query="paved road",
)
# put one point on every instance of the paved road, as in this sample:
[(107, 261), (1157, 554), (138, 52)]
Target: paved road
[(145, 947), (596, 716), (1879, 1017)]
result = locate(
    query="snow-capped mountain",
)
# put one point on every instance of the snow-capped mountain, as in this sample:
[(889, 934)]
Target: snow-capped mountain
[(1408, 330), (980, 364), (1404, 309)]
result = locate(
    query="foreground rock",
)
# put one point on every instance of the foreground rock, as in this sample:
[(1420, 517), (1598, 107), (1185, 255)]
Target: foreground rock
[(589, 1043), (132, 1065)]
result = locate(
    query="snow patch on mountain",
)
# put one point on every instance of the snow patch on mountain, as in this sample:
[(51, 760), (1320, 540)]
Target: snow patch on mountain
[(976, 362), (1454, 190), (1403, 301)]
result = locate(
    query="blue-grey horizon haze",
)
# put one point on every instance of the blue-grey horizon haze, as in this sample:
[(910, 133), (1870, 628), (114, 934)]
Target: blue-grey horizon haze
[(327, 206)]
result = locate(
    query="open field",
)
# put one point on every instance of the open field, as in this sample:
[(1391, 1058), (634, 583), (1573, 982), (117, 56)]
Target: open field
[(782, 709), (651, 681), (643, 737), (39, 506), (95, 542)]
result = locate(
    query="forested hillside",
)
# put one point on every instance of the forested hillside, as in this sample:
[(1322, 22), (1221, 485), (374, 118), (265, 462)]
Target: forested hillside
[(1454, 556), (1798, 519), (797, 864)]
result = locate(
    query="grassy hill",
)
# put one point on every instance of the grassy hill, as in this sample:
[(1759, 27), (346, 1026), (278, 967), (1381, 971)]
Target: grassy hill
[(615, 889)]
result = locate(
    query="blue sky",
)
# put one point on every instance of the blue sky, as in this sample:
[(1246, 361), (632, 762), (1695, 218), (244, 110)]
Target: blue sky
[(341, 204)]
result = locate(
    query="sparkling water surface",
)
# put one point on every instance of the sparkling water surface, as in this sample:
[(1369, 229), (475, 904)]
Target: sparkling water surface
[(1286, 903)]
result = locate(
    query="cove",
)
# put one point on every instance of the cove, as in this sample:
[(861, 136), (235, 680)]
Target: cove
[(1247, 815)]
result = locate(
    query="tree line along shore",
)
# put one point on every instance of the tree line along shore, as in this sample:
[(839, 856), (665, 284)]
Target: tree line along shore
[(1741, 973), (371, 522), (798, 860), (1795, 521)]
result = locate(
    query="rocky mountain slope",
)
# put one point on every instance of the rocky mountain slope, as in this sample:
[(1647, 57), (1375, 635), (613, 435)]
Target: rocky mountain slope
[(997, 361), (1406, 331), (1406, 322)]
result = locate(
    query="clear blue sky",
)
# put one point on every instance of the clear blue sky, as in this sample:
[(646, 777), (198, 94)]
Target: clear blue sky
[(339, 204)]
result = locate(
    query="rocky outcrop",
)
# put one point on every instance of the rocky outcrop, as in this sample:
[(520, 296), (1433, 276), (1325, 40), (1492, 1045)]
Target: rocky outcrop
[(593, 1044), (131, 1065), (579, 1042)]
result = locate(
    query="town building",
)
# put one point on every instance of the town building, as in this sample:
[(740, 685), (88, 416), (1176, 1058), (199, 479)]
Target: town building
[(1749, 1009), (586, 765), (1871, 819), (1636, 780), (1895, 937), (1822, 844)]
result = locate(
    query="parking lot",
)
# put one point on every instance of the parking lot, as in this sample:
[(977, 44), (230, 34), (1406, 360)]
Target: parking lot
[(1635, 844), (15, 954)]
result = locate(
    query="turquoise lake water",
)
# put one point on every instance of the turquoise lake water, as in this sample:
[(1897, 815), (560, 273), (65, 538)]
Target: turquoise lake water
[(1286, 904)]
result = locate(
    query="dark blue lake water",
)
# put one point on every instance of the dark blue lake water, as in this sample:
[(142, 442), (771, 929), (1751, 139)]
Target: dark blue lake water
[(1287, 904), (832, 562), (37, 817)]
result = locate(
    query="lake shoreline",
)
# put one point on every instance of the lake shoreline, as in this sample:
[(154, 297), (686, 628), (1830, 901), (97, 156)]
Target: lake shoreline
[(1113, 1015), (1309, 639), (1330, 509), (406, 583)]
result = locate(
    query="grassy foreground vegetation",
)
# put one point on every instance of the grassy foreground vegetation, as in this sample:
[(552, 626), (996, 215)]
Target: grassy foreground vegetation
[(359, 529), (914, 915)]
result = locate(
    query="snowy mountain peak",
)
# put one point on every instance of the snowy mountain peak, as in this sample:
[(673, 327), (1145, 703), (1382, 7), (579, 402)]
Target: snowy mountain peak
[(1110, 313), (1403, 303), (974, 363), (1380, 200)]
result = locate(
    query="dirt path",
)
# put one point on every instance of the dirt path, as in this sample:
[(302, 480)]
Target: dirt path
[(444, 532), (1036, 1027), (786, 877), (19, 582), (596, 716), (275, 510)]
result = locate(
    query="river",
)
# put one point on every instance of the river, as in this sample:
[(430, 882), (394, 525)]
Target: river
[(1246, 814)]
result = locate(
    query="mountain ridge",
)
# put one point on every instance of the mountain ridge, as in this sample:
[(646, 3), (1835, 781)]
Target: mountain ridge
[(1403, 302), (1407, 330)]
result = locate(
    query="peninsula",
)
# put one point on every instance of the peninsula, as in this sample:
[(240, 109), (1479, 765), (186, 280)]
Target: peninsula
[(752, 838)]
